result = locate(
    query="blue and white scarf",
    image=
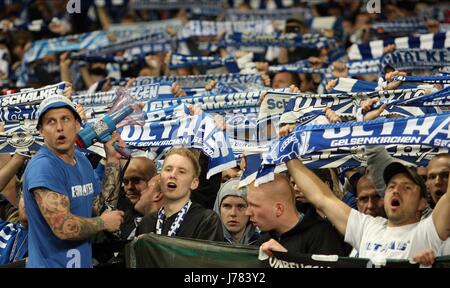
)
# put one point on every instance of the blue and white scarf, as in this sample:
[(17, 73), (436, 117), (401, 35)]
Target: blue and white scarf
[(273, 5), (299, 68), (416, 59), (136, 30), (265, 14), (169, 113), (401, 27), (136, 49), (17, 113), (32, 96), (431, 130), (347, 85), (238, 39), (439, 98), (253, 164), (138, 53), (355, 68), (175, 4), (272, 107), (224, 88), (34, 25), (20, 136), (210, 103), (199, 131), (138, 93), (363, 67), (181, 61), (111, 3), (46, 47), (374, 49), (95, 99), (304, 103), (242, 100), (308, 108), (424, 79), (197, 81), (345, 157), (198, 28), (176, 223)]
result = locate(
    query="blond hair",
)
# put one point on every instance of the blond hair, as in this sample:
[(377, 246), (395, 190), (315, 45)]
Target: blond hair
[(191, 154)]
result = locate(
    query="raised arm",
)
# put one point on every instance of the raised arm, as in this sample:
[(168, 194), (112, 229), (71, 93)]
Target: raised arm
[(103, 16), (110, 188), (111, 179), (55, 208), (7, 172), (441, 215), (319, 194)]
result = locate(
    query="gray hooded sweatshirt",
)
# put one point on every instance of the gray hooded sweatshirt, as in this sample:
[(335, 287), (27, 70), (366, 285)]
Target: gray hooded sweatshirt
[(230, 188)]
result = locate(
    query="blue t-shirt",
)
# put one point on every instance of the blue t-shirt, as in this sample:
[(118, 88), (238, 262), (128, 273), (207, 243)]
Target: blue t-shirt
[(46, 170)]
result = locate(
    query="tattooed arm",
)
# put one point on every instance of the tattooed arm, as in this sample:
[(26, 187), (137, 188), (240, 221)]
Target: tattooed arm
[(55, 208), (111, 188), (111, 181)]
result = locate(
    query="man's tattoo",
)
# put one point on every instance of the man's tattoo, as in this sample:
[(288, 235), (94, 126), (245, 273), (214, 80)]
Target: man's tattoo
[(110, 189), (55, 208)]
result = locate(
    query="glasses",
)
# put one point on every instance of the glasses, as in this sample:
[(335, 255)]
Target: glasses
[(133, 180), (365, 199)]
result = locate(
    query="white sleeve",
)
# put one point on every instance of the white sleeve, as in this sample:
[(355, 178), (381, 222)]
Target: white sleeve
[(354, 231), (445, 248), (427, 234)]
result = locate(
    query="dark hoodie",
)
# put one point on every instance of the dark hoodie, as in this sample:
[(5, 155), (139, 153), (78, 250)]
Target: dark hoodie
[(199, 223), (311, 236)]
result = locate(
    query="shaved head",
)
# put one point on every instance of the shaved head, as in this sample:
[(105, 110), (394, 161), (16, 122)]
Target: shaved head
[(271, 206), (139, 171), (437, 176), (145, 165), (277, 190), (368, 201)]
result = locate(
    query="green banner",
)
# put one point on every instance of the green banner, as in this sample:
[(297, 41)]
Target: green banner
[(156, 251)]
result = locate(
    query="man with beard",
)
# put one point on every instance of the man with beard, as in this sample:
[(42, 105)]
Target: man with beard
[(402, 235)]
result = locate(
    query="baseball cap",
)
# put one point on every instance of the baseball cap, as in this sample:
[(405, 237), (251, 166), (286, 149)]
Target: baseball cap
[(396, 167), (55, 101)]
